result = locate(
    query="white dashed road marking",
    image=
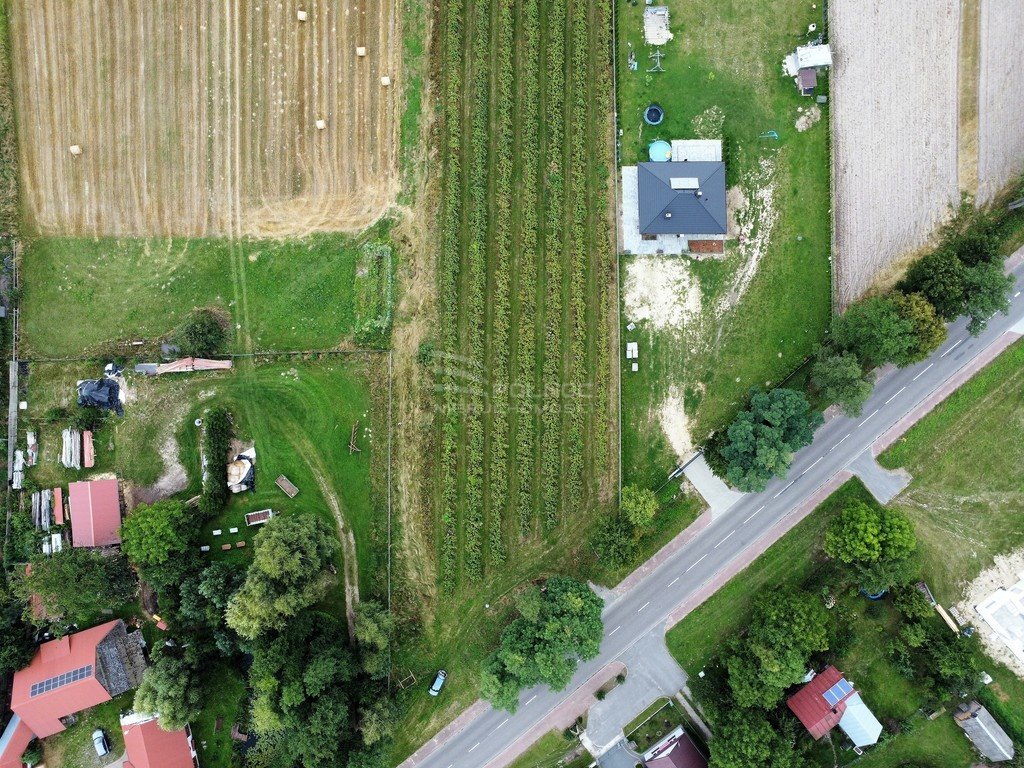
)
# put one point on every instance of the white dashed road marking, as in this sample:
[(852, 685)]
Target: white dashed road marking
[(919, 375), (783, 490), (673, 581), (952, 348), (751, 515), (866, 420), (474, 746), (695, 564), (531, 699), (643, 606), (615, 630), (730, 533), (894, 396)]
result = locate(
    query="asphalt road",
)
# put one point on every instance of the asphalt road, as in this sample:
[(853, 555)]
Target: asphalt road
[(727, 539)]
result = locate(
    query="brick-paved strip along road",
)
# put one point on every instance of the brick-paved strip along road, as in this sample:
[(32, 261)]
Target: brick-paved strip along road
[(494, 737)]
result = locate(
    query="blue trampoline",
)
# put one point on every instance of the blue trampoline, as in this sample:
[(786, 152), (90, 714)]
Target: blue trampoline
[(654, 114), (660, 151)]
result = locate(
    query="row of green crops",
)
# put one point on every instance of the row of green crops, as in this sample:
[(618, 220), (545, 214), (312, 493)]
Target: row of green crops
[(523, 275)]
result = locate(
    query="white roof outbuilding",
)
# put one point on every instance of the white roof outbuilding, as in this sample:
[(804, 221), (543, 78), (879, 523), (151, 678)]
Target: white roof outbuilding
[(859, 723)]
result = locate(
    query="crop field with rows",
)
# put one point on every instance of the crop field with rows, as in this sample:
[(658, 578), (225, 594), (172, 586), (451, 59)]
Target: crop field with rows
[(525, 275)]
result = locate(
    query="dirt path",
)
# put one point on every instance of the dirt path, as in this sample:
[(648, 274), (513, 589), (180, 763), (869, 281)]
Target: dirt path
[(348, 549)]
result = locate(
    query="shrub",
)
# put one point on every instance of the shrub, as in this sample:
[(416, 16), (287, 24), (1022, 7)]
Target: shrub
[(216, 442), (202, 334)]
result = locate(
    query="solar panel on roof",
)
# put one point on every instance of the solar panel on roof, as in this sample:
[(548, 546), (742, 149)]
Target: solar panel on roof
[(59, 681), (837, 692)]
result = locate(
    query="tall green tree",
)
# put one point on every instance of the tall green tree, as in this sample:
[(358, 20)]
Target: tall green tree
[(173, 687), (839, 378), (156, 538), (986, 292), (76, 584), (927, 329), (288, 573), (545, 649), (16, 646), (763, 438), (203, 598), (639, 505), (613, 540), (745, 739), (785, 629), (302, 678), (863, 534), (875, 331), (941, 278), (374, 628)]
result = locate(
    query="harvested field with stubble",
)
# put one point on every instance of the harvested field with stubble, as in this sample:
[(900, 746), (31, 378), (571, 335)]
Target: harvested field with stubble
[(200, 118), (1000, 95), (894, 132)]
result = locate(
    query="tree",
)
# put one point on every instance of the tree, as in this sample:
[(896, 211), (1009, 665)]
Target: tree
[(763, 438), (927, 329), (986, 291), (785, 629), (840, 379), (302, 679), (16, 646), (613, 541), (288, 574), (374, 628), (875, 331), (376, 719), (202, 334), (98, 582), (154, 538), (546, 649), (172, 687), (745, 739), (886, 573), (639, 505), (941, 278), (33, 754), (864, 534), (912, 603), (203, 597)]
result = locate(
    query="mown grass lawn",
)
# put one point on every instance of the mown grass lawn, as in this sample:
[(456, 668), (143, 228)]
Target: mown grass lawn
[(549, 751), (299, 413), (298, 294), (73, 748), (967, 461), (728, 56)]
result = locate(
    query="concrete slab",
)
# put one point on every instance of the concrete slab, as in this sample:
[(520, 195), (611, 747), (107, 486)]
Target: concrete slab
[(651, 673), (884, 484), (719, 496)]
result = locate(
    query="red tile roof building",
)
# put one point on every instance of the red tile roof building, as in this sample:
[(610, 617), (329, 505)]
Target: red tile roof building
[(147, 745), (95, 513), (809, 704), (69, 675), (676, 751), (828, 700)]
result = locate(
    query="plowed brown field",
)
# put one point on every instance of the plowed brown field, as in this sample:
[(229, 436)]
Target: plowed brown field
[(197, 117)]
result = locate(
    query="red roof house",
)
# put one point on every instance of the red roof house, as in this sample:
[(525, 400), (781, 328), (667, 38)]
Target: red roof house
[(67, 676), (818, 715), (13, 743), (676, 750), (828, 700), (147, 745), (95, 513)]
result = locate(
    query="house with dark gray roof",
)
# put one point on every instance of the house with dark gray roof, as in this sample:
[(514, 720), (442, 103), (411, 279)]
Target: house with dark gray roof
[(676, 206), (984, 732)]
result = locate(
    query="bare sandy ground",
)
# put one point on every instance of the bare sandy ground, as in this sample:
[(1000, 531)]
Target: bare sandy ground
[(894, 131), (1005, 572), (199, 117), (1000, 96)]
